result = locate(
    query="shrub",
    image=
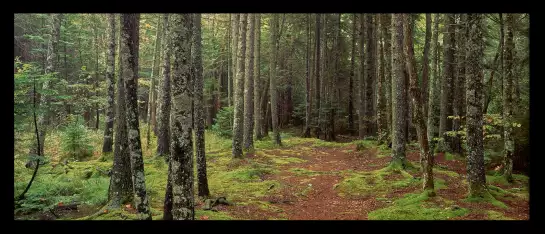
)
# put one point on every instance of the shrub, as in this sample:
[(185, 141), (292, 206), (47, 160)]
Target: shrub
[(75, 141), (224, 122)]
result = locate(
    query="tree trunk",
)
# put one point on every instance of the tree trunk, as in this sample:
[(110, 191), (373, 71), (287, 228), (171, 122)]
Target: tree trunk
[(361, 111), (235, 28), (199, 107), (50, 67), (151, 118), (238, 122), (258, 116), (445, 123), (121, 185), (352, 77), (426, 65), (370, 63), (110, 77), (381, 92), (386, 24), (163, 123), (398, 101), (419, 107), (249, 86), (308, 102), (474, 91), (435, 89), (181, 148), (129, 50), (495, 64), (273, 91), (459, 86), (508, 100), (317, 73)]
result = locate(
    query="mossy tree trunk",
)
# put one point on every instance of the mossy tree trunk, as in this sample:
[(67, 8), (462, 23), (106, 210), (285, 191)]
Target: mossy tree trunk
[(181, 146), (238, 120), (419, 109), (398, 85), (474, 91), (248, 140), (129, 50), (449, 42), (121, 187), (163, 122), (110, 79)]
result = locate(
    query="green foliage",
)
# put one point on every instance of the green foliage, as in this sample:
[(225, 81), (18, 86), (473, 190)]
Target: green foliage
[(224, 122), (75, 142)]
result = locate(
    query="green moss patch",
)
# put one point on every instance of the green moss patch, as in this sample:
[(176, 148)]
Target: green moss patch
[(415, 207), (378, 181), (494, 215)]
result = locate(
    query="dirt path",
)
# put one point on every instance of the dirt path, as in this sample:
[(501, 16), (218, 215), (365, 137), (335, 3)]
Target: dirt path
[(308, 189)]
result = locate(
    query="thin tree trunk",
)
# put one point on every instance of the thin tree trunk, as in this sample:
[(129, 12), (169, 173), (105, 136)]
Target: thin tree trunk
[(151, 118), (398, 85), (370, 62), (249, 86), (435, 89), (495, 64), (273, 91), (419, 107), (351, 81), (445, 123), (386, 24), (235, 28), (426, 65), (163, 123), (110, 77), (508, 100), (258, 116), (361, 113), (381, 92), (238, 121), (459, 83)]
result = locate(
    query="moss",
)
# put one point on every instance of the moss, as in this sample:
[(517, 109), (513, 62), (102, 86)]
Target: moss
[(212, 215), (496, 179), (414, 207), (374, 182), (453, 174), (487, 198), (306, 172), (287, 160), (494, 215)]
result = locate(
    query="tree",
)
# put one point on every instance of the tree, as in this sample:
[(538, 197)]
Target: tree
[(399, 102), (235, 30), (381, 91), (258, 112), (163, 123), (352, 77), (50, 67), (371, 74), (445, 123), (317, 71), (386, 25), (121, 185), (308, 103), (419, 109), (361, 111), (249, 86), (151, 117), (129, 51), (273, 91), (474, 91), (435, 88), (459, 82), (199, 107), (426, 65), (238, 122), (110, 61), (181, 146), (508, 88)]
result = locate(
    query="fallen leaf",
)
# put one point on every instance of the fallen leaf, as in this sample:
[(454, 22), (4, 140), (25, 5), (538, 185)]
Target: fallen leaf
[(60, 204), (128, 206), (105, 211), (204, 217)]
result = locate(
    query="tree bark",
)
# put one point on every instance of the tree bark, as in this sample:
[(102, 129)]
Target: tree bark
[(386, 24), (361, 113), (474, 91), (121, 187), (258, 116), (459, 85), (235, 28), (317, 72), (508, 88), (398, 101), (426, 65), (419, 107), (249, 86), (129, 51), (381, 92), (110, 78), (352, 77), (238, 121), (181, 147), (371, 75), (163, 123), (151, 117), (273, 91), (445, 123), (435, 89)]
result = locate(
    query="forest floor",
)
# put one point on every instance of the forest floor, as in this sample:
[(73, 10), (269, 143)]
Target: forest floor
[(304, 179)]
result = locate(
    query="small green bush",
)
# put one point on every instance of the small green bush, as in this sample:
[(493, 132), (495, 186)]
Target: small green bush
[(224, 122), (75, 142)]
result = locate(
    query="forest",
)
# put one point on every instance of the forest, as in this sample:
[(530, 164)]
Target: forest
[(253, 116)]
